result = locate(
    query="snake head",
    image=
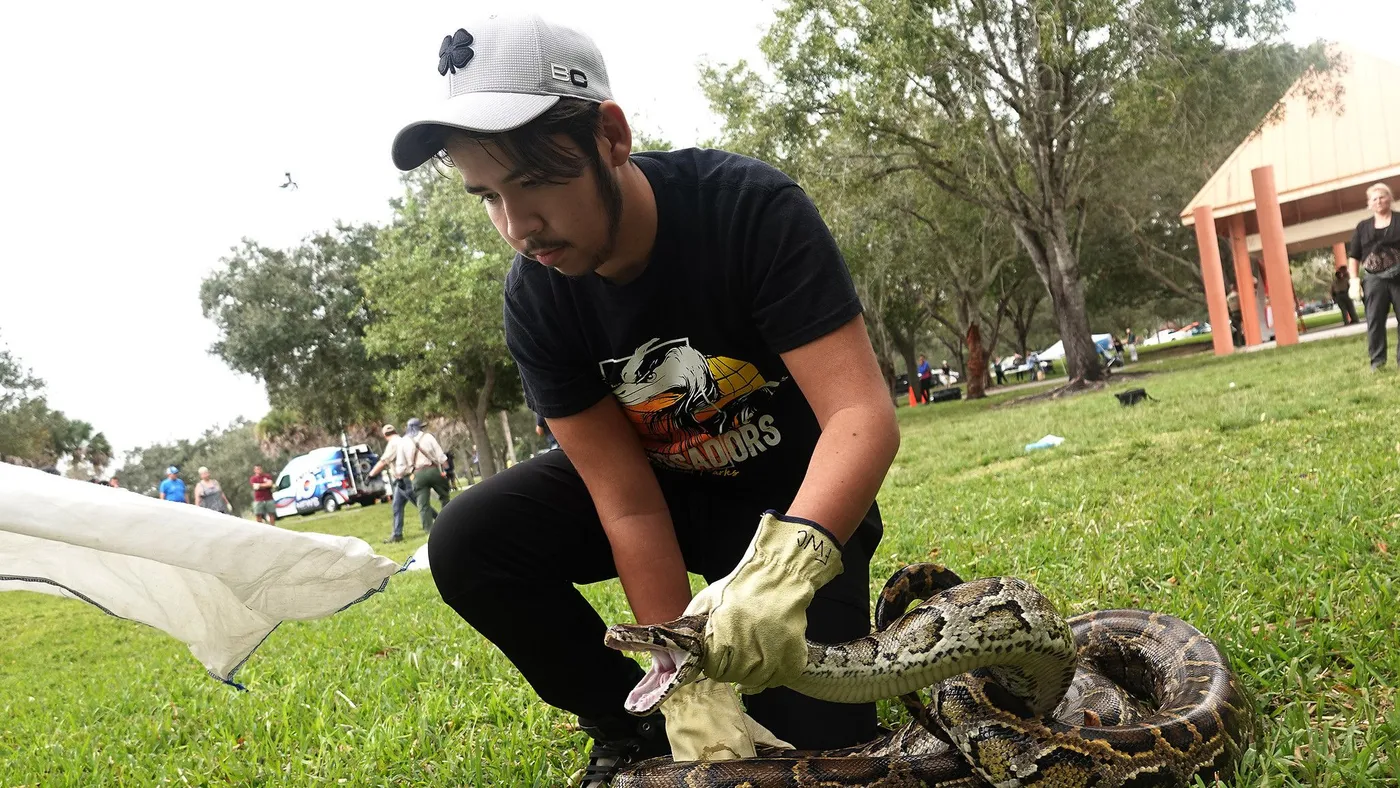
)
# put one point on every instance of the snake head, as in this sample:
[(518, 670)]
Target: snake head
[(676, 649)]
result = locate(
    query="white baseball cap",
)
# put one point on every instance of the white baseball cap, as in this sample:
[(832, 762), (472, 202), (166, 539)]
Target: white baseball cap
[(502, 73)]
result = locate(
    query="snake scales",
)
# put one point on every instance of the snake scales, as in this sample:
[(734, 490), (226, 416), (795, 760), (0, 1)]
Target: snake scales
[(1020, 696)]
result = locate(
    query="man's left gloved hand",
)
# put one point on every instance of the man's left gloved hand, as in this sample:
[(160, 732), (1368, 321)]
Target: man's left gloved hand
[(756, 633)]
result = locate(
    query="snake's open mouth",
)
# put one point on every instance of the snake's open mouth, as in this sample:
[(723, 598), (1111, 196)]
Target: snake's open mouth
[(675, 650), (662, 677)]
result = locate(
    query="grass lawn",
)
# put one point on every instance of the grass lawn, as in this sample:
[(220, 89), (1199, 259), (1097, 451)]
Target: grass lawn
[(1316, 320), (1257, 498)]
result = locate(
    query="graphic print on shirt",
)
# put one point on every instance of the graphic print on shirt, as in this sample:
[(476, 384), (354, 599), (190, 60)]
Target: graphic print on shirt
[(694, 412)]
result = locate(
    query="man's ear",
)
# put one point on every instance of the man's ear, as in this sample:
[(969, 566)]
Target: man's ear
[(615, 134)]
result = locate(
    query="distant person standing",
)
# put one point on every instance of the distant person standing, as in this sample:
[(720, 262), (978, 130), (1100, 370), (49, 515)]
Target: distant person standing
[(925, 378), (1375, 248), (209, 494), (1132, 344), (945, 373), (264, 508), (173, 488), (399, 480), (425, 459), (1232, 305), (1118, 350), (542, 430), (1341, 284), (1034, 360), (998, 371)]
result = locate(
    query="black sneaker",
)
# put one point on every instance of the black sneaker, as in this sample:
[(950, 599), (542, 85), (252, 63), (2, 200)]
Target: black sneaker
[(393, 539), (619, 744)]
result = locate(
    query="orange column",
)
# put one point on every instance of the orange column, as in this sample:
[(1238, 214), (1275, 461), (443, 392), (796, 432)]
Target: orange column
[(1281, 298), (1339, 255), (1214, 280), (1244, 281)]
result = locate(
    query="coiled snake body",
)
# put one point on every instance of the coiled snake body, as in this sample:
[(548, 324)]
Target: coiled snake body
[(1020, 696)]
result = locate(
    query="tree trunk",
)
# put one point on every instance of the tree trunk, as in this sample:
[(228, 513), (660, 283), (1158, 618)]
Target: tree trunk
[(1058, 268), (976, 364), (474, 414), (1082, 361), (1023, 317), (904, 343), (510, 441), (476, 425), (887, 372)]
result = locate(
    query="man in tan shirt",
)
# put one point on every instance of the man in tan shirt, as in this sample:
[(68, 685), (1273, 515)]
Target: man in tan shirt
[(422, 459)]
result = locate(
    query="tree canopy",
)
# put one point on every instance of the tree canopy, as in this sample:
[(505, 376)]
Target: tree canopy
[(1021, 107), (32, 433), (295, 320), (436, 299)]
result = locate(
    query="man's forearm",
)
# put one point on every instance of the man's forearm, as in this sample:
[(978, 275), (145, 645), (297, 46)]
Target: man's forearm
[(650, 566), (855, 450), (1352, 265)]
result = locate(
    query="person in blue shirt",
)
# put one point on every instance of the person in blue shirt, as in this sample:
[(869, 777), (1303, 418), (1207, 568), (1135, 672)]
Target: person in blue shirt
[(173, 488), (925, 378)]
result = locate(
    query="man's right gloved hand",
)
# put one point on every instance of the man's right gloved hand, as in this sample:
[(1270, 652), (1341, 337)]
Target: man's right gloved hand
[(1354, 289), (704, 722)]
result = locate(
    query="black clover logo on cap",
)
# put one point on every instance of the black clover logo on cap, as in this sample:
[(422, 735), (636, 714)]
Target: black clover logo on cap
[(455, 52)]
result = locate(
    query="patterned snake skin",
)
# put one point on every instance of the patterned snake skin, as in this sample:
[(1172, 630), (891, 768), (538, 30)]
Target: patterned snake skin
[(1132, 699)]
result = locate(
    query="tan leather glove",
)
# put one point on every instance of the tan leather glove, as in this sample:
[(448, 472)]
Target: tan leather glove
[(704, 722), (756, 633)]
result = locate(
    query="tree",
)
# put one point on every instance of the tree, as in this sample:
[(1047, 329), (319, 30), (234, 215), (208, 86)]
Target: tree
[(436, 298), (228, 452), (1008, 104), (918, 257), (970, 252), (284, 432), (1158, 167), (32, 433), (1022, 299), (89, 452), (295, 320)]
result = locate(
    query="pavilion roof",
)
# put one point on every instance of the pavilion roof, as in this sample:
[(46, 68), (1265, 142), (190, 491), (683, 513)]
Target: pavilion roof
[(1317, 147)]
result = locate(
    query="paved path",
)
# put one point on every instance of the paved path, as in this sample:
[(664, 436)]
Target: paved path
[(1325, 333)]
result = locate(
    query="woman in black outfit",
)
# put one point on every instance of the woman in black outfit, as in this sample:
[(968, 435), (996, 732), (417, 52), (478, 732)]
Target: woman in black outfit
[(1375, 248)]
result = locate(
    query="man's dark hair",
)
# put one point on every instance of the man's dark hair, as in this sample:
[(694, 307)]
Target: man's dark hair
[(533, 149)]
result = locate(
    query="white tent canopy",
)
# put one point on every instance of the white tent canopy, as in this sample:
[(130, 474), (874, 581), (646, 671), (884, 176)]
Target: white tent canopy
[(1057, 351)]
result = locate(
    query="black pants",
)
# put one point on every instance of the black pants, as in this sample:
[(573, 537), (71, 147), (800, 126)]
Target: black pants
[(1348, 308), (1380, 295), (507, 553)]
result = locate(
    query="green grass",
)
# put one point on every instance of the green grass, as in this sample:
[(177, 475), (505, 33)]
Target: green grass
[(1265, 513), (1316, 320)]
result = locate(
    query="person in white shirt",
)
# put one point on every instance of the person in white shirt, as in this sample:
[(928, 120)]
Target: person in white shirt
[(399, 481)]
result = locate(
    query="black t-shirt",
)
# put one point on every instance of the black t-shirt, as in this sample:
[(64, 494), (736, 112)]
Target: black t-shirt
[(1367, 238), (743, 268)]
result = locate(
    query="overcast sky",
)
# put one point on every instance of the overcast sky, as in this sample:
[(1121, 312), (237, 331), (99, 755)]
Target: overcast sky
[(141, 140)]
